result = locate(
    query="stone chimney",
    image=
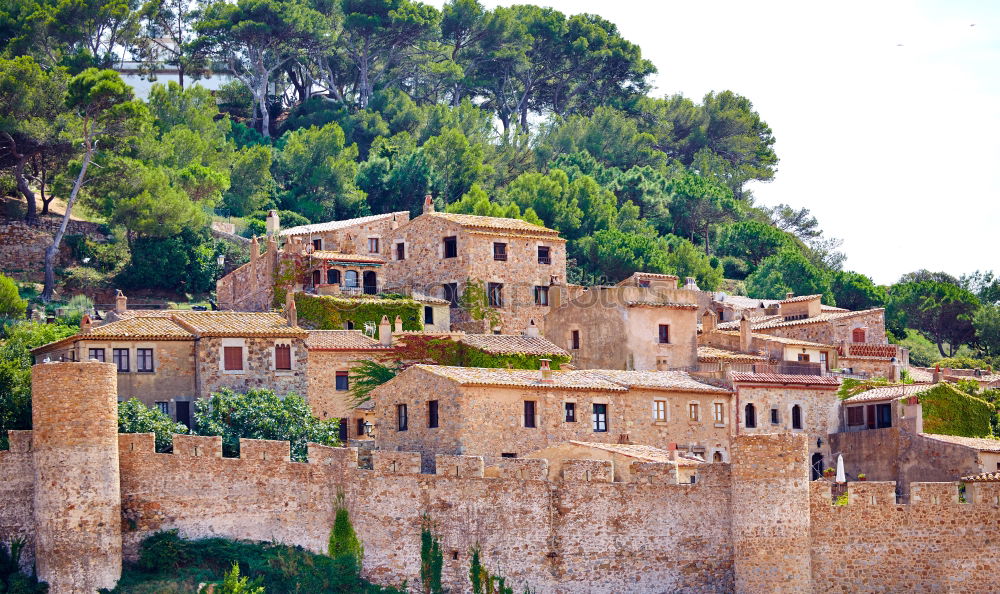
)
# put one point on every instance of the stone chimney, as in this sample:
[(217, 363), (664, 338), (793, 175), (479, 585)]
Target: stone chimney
[(385, 332), (746, 336), (532, 329), (936, 377), (273, 223), (690, 284), (672, 448), (121, 302), (789, 295), (394, 224), (398, 324), (708, 321), (86, 324), (544, 371), (913, 414), (428, 204), (291, 315), (254, 251)]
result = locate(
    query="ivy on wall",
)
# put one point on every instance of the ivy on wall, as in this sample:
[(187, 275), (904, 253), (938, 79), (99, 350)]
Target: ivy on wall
[(323, 312), (443, 351), (949, 411)]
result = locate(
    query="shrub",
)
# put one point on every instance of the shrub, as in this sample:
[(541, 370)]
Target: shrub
[(961, 363), (164, 551), (136, 417), (344, 544), (332, 313), (76, 278), (12, 579), (11, 304)]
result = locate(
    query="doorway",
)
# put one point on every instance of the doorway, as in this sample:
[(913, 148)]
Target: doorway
[(817, 466)]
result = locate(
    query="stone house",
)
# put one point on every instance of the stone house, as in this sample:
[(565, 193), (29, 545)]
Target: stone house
[(517, 262), (627, 327), (502, 413), (779, 403), (743, 347), (168, 359), (621, 456), (805, 318)]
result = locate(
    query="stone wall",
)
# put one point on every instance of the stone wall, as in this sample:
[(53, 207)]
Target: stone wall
[(258, 369), (325, 400), (251, 286), (836, 331), (22, 246), (17, 488)]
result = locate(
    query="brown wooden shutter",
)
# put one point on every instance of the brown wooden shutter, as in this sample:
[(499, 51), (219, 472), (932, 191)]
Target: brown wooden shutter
[(233, 358), (283, 356)]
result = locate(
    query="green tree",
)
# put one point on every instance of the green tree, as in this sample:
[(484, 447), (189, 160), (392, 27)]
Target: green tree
[(941, 311), (986, 321), (686, 260), (12, 307), (610, 136), (697, 203), (617, 254), (316, 172), (136, 417), (252, 167), (75, 34), (234, 584), (476, 202), (169, 38), (855, 291), (798, 222), (368, 375), (752, 241), (984, 285), (788, 271), (550, 197), (456, 164), (185, 262), (261, 414), (344, 543)]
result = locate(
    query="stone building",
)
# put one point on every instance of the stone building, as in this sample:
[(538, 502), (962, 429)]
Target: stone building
[(500, 413), (743, 347), (622, 456), (167, 359), (805, 318), (640, 327)]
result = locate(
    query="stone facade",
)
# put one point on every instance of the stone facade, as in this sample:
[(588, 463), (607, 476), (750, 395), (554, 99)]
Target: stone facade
[(251, 286), (22, 246), (258, 366), (619, 328)]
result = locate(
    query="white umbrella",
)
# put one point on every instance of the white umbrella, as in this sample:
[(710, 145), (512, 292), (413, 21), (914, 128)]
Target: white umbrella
[(840, 469)]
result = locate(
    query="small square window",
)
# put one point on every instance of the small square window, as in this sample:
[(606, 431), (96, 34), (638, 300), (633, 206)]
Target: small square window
[(693, 411), (97, 355), (428, 314), (543, 255), (570, 412), (232, 358), (804, 357), (283, 357), (400, 251), (317, 244), (719, 412), (500, 251), (541, 295), (163, 407), (495, 294), (342, 381), (451, 294), (775, 417), (600, 418), (120, 358), (144, 360), (373, 245)]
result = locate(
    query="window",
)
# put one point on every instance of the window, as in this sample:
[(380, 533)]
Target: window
[(529, 413), (541, 295), (858, 335), (775, 417), (664, 336), (693, 411), (451, 294), (855, 416), (508, 455), (351, 279), (97, 355), (796, 417), (500, 251), (343, 383), (750, 416), (342, 429), (316, 277), (660, 410), (317, 244), (822, 361), (144, 360), (120, 358), (373, 245), (600, 418), (570, 408), (232, 358), (543, 255), (400, 251), (361, 427), (883, 414), (282, 357), (333, 277), (163, 407), (401, 417), (451, 247), (803, 357), (574, 340), (428, 314), (496, 294), (432, 414), (717, 457), (719, 412), (349, 325)]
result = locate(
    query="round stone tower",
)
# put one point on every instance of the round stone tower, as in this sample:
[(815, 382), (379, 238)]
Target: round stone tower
[(78, 540)]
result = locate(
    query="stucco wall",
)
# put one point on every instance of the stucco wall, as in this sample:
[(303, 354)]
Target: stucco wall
[(173, 368)]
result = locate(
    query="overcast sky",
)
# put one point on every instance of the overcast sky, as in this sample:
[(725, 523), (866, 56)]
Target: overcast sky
[(886, 113)]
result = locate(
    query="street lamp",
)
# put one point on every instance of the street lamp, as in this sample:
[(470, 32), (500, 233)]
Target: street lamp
[(368, 428), (221, 260)]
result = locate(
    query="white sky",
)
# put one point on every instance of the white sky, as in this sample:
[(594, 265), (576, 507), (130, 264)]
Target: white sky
[(895, 148)]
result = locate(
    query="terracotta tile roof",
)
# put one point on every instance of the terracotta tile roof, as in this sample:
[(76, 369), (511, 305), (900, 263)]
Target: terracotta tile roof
[(504, 344), (639, 452), (660, 303), (983, 444), (477, 376), (661, 380), (147, 313), (345, 258), (801, 298), (824, 307), (921, 375), (644, 275), (779, 339), (983, 477), (784, 378), (744, 302), (146, 328), (237, 324), (765, 322), (498, 223), (709, 354), (888, 393), (335, 225), (342, 340), (429, 299)]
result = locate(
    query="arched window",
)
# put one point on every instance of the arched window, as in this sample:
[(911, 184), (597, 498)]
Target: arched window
[(351, 279), (750, 416), (717, 457), (858, 335), (370, 282), (796, 417), (333, 277)]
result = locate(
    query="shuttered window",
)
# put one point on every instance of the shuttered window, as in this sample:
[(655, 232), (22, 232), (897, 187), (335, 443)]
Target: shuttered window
[(283, 357), (232, 358)]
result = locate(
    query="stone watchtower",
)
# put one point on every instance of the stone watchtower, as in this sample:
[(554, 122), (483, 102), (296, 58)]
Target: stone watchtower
[(78, 541)]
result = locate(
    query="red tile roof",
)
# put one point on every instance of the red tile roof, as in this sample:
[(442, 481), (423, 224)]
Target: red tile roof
[(888, 393), (983, 477), (342, 340), (784, 378), (506, 344), (982, 444)]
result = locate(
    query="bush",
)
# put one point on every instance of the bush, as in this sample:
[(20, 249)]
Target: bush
[(12, 579), (136, 417), (331, 313), (949, 411), (77, 307), (76, 278), (164, 551), (961, 363), (185, 263), (11, 305)]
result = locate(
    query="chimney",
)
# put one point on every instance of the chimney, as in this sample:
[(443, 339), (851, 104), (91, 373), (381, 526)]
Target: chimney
[(86, 324), (395, 223), (291, 315), (398, 324), (936, 378), (789, 295), (254, 249), (746, 336), (121, 302), (385, 332), (273, 223), (532, 329), (690, 284), (708, 322), (672, 448), (914, 414), (544, 371), (428, 204)]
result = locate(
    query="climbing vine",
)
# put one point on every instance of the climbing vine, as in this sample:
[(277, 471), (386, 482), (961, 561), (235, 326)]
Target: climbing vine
[(431, 559), (484, 582), (332, 313), (443, 351), (475, 301), (949, 411)]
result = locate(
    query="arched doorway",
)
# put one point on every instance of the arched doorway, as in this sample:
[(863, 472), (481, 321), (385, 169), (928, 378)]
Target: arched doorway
[(370, 285), (316, 277), (817, 465)]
